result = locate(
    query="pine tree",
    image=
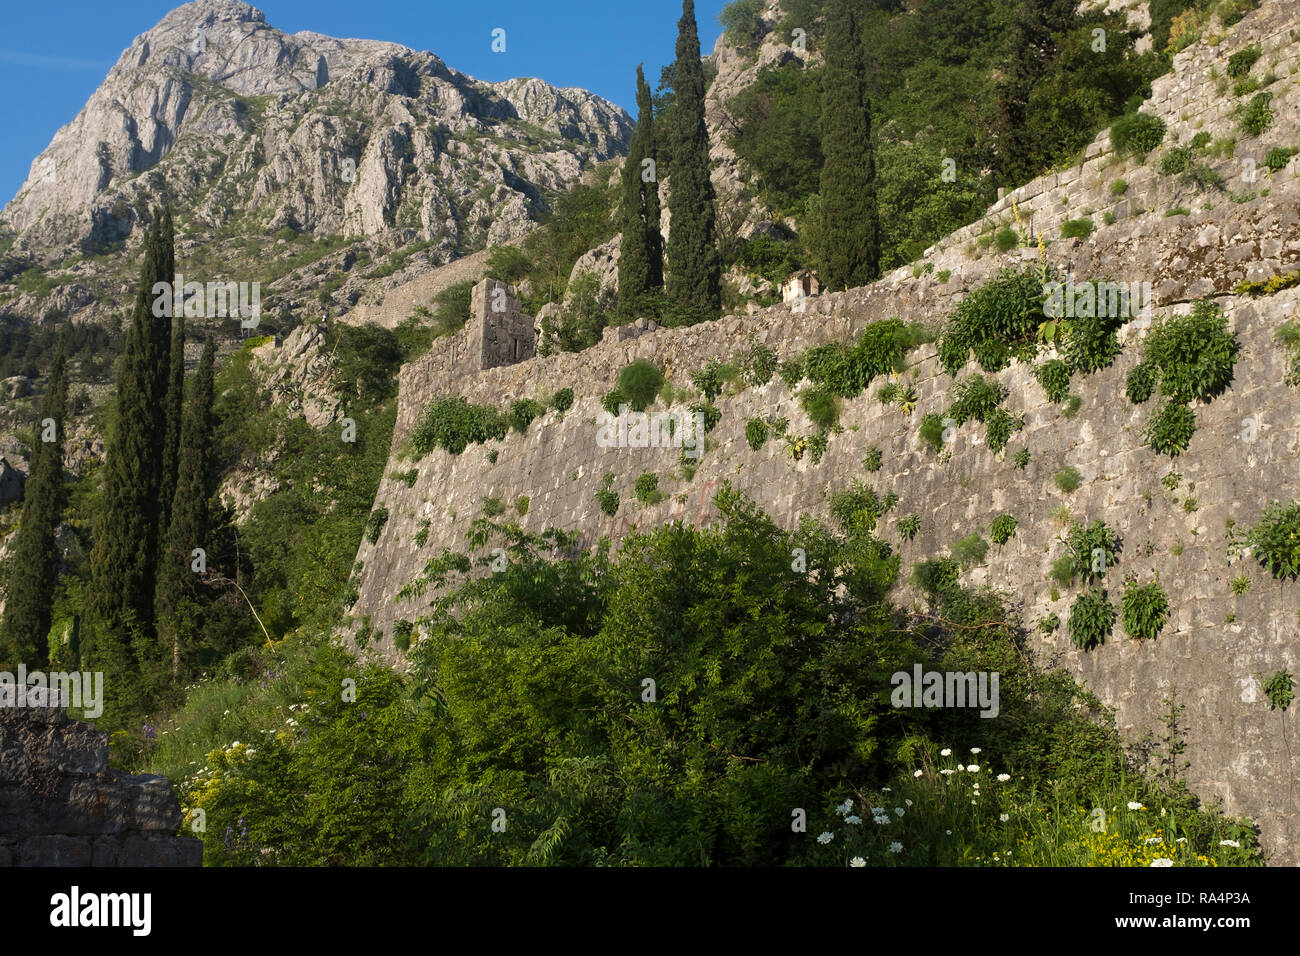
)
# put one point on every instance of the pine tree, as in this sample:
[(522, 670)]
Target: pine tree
[(26, 625), (124, 558), (179, 591), (172, 413), (641, 253), (694, 280), (850, 226)]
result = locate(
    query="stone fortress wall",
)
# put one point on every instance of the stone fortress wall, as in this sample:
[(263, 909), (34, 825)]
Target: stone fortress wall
[(1246, 450)]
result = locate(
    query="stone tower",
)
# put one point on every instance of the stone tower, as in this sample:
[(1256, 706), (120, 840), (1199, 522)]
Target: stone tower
[(498, 333)]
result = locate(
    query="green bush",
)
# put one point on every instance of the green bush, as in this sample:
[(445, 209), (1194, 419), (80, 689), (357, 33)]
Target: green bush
[(1136, 134), (607, 497), (1003, 527), (1140, 383), (711, 379), (1067, 479), (858, 508), (375, 523), (1170, 430), (1192, 355), (1277, 158), (1094, 549), (1092, 617), (640, 383), (562, 400), (1063, 571), (999, 428), (647, 489), (522, 413), (872, 461), (402, 635), (1077, 228), (453, 423), (521, 505), (1119, 187), (1006, 240), (1279, 690), (975, 397), (969, 551), (614, 399), (821, 406), (931, 431), (1275, 540), (1054, 376), (1175, 160), (908, 525), (1091, 343), (493, 507), (1200, 141), (1258, 115), (760, 364), (791, 372), (712, 414), (1021, 458), (1239, 63), (1002, 315)]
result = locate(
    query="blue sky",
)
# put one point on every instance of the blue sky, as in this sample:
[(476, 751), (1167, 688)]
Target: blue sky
[(54, 54)]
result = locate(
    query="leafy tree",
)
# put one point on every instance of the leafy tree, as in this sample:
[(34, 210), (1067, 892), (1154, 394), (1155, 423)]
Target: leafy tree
[(694, 281), (640, 260), (33, 565), (850, 237)]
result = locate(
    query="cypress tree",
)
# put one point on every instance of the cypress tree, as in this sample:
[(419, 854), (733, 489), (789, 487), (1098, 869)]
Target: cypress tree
[(694, 281), (123, 560), (179, 590), (850, 226), (23, 638), (172, 413), (641, 251)]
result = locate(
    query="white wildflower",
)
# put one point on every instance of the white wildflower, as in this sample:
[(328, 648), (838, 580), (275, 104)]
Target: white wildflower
[(844, 807), (973, 768), (975, 750), (918, 773), (857, 861), (825, 837), (1003, 777), (1005, 817), (895, 848), (853, 820), (945, 752), (1134, 805), (1229, 843), (1161, 861)]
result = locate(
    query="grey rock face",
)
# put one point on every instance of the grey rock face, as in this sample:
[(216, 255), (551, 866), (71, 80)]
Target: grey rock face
[(238, 120), (60, 805)]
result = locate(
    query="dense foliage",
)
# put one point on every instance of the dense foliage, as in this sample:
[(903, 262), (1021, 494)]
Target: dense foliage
[(652, 711)]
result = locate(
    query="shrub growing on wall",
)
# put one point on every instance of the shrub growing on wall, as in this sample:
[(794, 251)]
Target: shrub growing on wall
[(1092, 617), (639, 383), (453, 423), (1144, 609), (1136, 134)]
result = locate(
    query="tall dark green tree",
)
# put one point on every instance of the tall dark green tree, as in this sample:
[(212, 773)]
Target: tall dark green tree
[(1030, 55), (641, 248), (179, 593), (124, 558), (694, 280), (850, 227), (23, 638), (172, 412)]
